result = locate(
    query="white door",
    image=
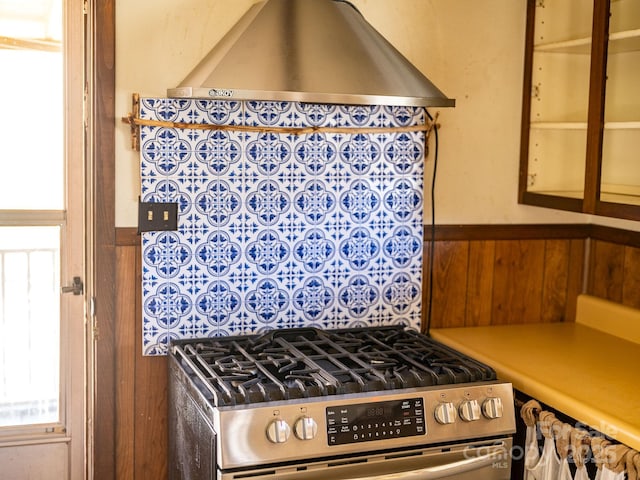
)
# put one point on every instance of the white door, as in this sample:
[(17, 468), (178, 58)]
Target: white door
[(42, 240)]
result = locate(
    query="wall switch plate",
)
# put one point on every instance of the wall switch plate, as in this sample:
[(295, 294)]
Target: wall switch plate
[(154, 216)]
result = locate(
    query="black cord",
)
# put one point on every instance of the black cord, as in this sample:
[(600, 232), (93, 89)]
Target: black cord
[(433, 224)]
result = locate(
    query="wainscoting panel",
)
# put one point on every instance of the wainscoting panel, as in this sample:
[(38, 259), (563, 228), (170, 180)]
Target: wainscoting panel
[(496, 282), (141, 381), (614, 272)]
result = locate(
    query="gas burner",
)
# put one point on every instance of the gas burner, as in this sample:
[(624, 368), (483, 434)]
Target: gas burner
[(304, 363)]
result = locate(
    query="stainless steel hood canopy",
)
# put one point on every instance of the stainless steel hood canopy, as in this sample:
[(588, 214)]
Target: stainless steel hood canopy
[(317, 51)]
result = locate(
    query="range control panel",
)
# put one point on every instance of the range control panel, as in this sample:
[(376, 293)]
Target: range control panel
[(375, 421), (306, 428)]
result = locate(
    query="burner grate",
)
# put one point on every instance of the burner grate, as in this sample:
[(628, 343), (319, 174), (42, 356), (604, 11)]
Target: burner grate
[(302, 363)]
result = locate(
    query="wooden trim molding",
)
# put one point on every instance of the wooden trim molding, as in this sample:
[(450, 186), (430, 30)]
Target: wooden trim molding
[(101, 66), (526, 101), (128, 236), (627, 238), (508, 232)]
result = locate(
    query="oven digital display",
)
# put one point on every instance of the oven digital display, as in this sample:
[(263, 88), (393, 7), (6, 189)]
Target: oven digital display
[(375, 421)]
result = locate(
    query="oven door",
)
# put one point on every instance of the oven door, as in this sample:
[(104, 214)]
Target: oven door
[(471, 461)]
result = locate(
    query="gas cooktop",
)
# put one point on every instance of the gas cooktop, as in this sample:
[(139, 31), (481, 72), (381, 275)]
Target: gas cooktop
[(308, 362)]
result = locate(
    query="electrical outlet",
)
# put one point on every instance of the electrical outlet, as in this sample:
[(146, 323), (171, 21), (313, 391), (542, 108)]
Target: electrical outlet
[(153, 216)]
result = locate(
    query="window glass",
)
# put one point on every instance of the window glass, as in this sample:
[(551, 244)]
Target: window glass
[(31, 102), (29, 325)]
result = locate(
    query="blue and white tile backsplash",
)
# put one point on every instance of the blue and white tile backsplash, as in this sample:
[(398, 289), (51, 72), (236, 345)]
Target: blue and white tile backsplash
[(279, 230)]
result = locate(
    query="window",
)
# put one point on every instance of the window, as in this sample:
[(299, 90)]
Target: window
[(32, 217)]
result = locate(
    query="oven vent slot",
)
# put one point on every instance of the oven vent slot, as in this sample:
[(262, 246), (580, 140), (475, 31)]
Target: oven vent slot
[(268, 473), (403, 455), (347, 462)]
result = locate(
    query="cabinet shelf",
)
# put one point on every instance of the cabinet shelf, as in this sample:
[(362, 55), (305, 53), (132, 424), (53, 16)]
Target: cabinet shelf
[(559, 125), (610, 196), (619, 42), (622, 125), (627, 41), (620, 198), (583, 125), (560, 193), (578, 46), (623, 190)]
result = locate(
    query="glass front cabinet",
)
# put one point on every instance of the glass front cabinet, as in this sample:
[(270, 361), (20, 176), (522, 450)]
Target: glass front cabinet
[(580, 148)]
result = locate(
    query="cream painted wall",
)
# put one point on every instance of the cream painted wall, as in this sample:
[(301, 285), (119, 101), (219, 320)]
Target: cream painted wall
[(473, 51)]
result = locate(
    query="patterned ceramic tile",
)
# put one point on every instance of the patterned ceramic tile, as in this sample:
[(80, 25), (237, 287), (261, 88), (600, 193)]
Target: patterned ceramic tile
[(280, 230)]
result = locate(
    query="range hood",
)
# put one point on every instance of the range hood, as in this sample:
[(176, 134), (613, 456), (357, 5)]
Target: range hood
[(316, 51)]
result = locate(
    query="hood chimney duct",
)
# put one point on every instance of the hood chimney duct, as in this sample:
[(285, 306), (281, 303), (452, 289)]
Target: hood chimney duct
[(315, 51)]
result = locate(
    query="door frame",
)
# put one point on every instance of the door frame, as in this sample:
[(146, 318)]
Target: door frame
[(101, 231), (74, 333)]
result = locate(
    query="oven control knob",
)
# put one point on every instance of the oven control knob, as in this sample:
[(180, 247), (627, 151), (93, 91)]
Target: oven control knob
[(278, 431), (305, 428), (492, 408), (469, 410), (445, 413)]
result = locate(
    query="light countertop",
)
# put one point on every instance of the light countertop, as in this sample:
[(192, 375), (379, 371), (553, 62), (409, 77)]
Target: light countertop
[(585, 373)]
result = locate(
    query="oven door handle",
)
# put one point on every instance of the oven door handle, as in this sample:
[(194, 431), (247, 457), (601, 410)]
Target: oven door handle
[(442, 471)]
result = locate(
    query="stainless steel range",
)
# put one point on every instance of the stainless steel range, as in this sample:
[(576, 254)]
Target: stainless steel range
[(369, 403)]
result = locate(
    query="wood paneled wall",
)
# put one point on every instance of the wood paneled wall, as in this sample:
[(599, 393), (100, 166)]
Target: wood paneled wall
[(493, 282), (614, 272), (141, 382), (482, 275), (495, 275)]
